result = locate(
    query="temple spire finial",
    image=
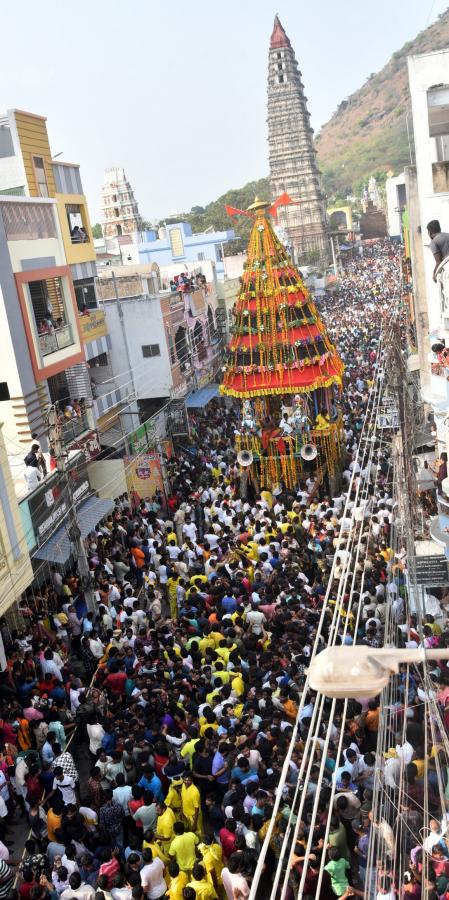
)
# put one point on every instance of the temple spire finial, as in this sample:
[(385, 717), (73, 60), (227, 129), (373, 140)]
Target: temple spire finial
[(279, 37)]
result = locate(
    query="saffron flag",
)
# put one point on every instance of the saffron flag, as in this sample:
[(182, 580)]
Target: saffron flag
[(232, 211), (283, 200)]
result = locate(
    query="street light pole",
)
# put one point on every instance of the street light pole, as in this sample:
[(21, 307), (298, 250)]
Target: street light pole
[(54, 438)]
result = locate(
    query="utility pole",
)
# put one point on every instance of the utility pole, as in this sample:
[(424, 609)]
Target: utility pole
[(54, 422)]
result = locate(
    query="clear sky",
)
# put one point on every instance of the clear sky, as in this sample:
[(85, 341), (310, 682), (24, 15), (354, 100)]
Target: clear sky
[(175, 91)]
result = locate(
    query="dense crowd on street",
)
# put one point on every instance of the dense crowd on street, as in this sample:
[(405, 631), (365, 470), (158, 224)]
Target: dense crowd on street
[(144, 741)]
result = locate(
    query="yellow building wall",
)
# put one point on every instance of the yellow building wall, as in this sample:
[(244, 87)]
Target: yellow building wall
[(16, 575), (33, 138), (75, 253), (347, 210)]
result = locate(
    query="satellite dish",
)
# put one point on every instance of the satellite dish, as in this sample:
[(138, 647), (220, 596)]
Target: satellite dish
[(245, 458), (309, 452)]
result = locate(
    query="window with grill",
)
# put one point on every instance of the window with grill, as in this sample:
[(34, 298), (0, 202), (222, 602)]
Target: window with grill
[(41, 178), (151, 350)]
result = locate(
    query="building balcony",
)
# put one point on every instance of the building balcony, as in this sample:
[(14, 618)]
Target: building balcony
[(73, 428), (56, 340)]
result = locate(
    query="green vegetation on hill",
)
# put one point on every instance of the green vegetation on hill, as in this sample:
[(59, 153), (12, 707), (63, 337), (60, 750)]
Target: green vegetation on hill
[(367, 134), (214, 215)]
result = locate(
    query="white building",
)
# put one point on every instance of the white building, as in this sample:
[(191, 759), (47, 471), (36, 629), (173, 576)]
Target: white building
[(428, 198), (396, 201)]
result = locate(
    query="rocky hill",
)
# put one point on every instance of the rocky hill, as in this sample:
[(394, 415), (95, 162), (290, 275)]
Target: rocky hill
[(368, 132)]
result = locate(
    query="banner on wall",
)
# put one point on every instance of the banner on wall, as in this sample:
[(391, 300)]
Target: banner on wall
[(143, 476)]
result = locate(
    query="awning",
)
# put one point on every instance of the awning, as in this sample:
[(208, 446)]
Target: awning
[(58, 549), (200, 398)]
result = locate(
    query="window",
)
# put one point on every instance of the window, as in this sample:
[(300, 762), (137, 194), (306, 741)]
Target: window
[(119, 229), (85, 293), (116, 212), (151, 350), (99, 361), (438, 118), (176, 242), (114, 198), (41, 178), (200, 256), (279, 55), (77, 230), (171, 348)]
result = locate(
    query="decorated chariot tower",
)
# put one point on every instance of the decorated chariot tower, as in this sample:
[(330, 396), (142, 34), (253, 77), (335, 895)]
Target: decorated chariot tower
[(282, 366)]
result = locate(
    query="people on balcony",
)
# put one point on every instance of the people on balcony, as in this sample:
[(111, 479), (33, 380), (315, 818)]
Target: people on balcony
[(78, 235), (439, 243)]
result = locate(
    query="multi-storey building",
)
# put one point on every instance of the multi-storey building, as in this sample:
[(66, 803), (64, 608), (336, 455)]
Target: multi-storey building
[(50, 213), (427, 190), (120, 210), (176, 245), (292, 157), (427, 198), (169, 340), (15, 567)]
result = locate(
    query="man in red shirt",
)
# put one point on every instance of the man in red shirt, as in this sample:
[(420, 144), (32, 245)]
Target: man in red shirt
[(228, 838), (116, 680)]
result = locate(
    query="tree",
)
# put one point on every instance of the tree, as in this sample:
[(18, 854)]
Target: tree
[(215, 216), (97, 230)]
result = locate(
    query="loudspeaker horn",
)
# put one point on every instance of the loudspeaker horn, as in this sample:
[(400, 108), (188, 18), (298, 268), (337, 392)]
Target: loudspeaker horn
[(245, 458), (309, 452)]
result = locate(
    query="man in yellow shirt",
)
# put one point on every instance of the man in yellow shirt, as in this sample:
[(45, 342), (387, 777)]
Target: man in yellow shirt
[(177, 883), (164, 827), (188, 749), (191, 804), (173, 798), (183, 847), (204, 890), (212, 859)]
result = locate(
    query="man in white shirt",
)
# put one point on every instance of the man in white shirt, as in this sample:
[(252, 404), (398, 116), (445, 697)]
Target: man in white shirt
[(234, 883), (65, 785), (256, 619), (152, 876), (79, 889), (189, 529)]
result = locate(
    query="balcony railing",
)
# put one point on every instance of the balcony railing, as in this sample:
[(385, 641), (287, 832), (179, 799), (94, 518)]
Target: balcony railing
[(72, 428), (56, 340)]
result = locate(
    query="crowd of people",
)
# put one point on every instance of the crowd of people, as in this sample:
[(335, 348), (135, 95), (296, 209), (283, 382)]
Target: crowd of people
[(144, 740)]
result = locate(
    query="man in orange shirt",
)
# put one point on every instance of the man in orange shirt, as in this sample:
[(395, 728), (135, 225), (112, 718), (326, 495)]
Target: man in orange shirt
[(139, 562)]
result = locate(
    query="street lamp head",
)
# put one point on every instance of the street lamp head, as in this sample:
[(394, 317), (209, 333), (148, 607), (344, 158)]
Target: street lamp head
[(362, 671)]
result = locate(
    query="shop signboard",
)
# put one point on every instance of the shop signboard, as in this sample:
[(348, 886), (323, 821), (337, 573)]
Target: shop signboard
[(47, 504), (143, 476)]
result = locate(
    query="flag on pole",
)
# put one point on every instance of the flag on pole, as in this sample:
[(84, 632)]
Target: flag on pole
[(283, 200), (232, 211)]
